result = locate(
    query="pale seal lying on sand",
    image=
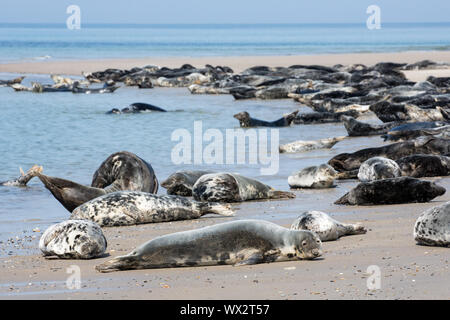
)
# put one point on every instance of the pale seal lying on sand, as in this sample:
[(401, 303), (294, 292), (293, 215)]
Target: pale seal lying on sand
[(377, 168), (322, 176), (392, 191), (432, 228), (424, 165), (181, 182), (73, 239), (246, 121), (241, 242), (24, 178), (120, 171), (301, 146), (325, 227), (231, 187), (125, 208)]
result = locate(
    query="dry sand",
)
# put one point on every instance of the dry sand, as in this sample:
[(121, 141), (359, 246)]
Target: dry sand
[(238, 64), (408, 271)]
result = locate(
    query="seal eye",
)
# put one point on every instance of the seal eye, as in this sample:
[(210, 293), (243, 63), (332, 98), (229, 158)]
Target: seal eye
[(318, 241), (304, 243)]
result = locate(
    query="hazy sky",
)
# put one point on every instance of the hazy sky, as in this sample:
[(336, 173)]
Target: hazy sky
[(224, 11)]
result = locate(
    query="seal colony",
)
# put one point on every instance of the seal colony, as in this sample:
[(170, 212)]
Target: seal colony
[(242, 242)]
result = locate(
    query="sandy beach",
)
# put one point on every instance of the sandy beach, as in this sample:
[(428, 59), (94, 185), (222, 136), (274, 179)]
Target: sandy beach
[(408, 271), (238, 64)]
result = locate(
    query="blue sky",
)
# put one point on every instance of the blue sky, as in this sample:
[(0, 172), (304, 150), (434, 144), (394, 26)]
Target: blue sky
[(224, 11)]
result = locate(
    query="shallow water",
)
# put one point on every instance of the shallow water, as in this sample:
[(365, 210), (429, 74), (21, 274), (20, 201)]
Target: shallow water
[(70, 135)]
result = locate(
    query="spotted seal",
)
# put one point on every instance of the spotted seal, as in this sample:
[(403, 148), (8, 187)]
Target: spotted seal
[(232, 187), (302, 146), (322, 176), (125, 208), (24, 178), (120, 171), (241, 242), (246, 121), (392, 191), (424, 165), (181, 182), (73, 239), (377, 168), (325, 227), (432, 228)]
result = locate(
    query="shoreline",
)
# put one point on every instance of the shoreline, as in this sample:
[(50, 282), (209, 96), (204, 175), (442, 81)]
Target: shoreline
[(237, 63)]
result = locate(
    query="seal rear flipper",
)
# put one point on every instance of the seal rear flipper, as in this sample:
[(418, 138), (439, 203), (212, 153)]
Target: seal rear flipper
[(353, 174), (68, 193), (275, 194), (351, 229)]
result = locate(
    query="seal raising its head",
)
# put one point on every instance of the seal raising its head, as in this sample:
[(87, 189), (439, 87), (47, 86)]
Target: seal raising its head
[(246, 121), (73, 239), (432, 228), (232, 187), (131, 207), (241, 242), (120, 171), (324, 226), (24, 178)]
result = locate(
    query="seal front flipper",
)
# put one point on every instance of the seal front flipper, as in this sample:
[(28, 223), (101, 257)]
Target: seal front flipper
[(254, 258), (70, 194)]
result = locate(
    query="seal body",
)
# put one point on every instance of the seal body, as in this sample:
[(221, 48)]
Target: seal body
[(131, 207), (181, 182), (395, 151), (392, 191), (73, 239), (377, 168), (324, 226), (302, 146), (232, 187), (357, 128), (424, 165), (246, 121), (120, 171), (137, 107), (240, 242), (322, 176), (432, 228)]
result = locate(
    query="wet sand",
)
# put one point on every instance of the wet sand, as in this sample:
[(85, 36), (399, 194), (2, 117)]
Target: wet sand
[(408, 271)]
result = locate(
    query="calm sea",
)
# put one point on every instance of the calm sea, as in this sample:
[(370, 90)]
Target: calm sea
[(39, 41)]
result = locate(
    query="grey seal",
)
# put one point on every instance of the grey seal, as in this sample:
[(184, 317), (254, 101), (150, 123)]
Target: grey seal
[(125, 208), (137, 107), (73, 239), (232, 187), (392, 191), (377, 168), (246, 121), (120, 171), (432, 228), (241, 242), (181, 182), (322, 176), (326, 227), (302, 146), (424, 165), (24, 177)]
